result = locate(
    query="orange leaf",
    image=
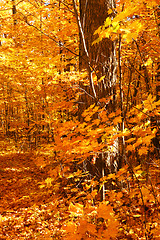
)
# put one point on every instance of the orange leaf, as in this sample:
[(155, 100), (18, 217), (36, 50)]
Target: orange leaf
[(104, 210)]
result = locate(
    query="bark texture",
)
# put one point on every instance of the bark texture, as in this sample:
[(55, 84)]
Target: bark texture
[(102, 56), (99, 59)]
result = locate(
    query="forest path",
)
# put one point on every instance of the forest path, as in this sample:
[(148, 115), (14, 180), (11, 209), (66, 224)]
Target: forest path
[(25, 207)]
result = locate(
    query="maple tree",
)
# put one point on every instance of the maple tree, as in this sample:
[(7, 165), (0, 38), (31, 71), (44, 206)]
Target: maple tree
[(79, 119)]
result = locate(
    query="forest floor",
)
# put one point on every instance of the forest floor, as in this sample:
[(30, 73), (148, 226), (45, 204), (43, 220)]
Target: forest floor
[(30, 206), (26, 209)]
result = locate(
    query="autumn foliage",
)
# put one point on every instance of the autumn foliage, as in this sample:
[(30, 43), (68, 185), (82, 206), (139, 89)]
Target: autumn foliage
[(72, 165)]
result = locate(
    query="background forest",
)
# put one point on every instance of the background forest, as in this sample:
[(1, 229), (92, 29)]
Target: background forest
[(79, 119)]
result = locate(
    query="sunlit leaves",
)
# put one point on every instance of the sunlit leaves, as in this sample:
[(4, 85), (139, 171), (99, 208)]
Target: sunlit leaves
[(128, 22), (76, 210), (40, 89), (87, 221), (104, 210)]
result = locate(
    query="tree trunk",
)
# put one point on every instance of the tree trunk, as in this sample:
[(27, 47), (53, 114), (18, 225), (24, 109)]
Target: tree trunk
[(98, 59), (101, 59)]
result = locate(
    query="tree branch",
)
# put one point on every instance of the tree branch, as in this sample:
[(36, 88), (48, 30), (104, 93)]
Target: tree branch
[(85, 49)]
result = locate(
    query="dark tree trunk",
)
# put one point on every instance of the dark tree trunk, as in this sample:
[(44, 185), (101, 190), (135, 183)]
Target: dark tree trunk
[(102, 56), (99, 59)]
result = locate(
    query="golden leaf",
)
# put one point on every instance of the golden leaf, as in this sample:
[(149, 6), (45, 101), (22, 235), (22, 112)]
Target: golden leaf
[(104, 211)]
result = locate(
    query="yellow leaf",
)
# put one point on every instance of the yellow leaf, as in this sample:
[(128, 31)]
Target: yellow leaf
[(137, 215), (111, 115), (117, 120), (96, 121), (139, 173), (76, 209), (116, 26), (42, 186), (2, 218), (48, 181), (137, 168), (110, 11), (147, 139), (107, 22), (111, 176), (94, 193), (130, 148), (138, 142), (126, 132), (149, 62), (130, 140), (143, 150), (98, 31), (101, 78), (87, 119)]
